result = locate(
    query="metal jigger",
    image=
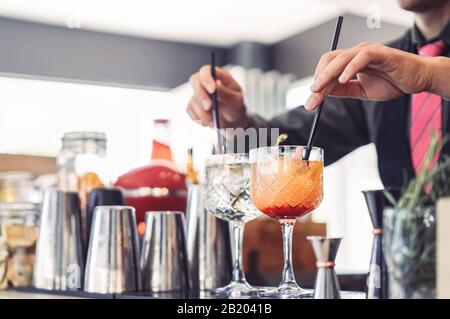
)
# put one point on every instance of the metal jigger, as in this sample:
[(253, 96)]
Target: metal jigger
[(325, 249), (377, 278)]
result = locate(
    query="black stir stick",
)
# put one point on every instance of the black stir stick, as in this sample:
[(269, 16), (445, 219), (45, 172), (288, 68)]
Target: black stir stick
[(215, 106), (337, 31)]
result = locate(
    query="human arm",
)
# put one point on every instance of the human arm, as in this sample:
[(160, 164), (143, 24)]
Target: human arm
[(377, 72)]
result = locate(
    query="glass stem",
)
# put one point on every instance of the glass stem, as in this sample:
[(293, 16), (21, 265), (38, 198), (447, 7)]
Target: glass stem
[(287, 276), (238, 268)]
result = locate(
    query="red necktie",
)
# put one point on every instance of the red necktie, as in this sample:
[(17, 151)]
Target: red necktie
[(426, 115)]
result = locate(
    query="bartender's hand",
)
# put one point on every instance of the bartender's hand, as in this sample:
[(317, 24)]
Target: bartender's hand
[(382, 73), (232, 113)]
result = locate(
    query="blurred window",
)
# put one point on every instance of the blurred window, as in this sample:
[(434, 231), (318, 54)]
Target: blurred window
[(34, 114)]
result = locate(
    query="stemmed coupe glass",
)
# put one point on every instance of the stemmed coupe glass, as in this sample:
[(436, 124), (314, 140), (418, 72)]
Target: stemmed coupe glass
[(286, 187), (228, 197)]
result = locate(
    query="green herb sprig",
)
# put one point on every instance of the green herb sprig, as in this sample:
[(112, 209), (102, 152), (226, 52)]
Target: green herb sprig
[(429, 185)]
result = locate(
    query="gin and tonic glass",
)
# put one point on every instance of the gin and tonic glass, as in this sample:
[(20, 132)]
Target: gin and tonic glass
[(228, 198)]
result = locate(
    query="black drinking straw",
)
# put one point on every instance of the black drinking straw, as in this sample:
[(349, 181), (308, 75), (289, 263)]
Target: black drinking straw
[(215, 105), (337, 31)]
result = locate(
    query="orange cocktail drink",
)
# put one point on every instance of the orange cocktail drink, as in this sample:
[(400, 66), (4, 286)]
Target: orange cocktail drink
[(286, 187)]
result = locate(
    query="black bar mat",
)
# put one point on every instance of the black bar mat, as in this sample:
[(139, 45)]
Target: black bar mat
[(68, 293)]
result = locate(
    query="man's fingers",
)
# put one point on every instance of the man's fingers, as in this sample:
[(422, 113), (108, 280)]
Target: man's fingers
[(332, 70), (227, 79), (325, 59), (198, 114), (336, 69), (224, 76), (327, 73), (351, 89), (199, 92), (333, 63), (357, 64), (228, 96), (191, 113), (204, 117), (206, 79), (315, 99)]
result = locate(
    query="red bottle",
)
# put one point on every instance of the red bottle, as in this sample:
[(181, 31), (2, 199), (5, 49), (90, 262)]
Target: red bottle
[(158, 186)]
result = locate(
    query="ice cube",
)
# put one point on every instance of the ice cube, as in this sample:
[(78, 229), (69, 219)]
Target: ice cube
[(234, 169)]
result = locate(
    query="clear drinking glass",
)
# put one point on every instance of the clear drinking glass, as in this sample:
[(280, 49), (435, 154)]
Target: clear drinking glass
[(228, 198), (286, 187)]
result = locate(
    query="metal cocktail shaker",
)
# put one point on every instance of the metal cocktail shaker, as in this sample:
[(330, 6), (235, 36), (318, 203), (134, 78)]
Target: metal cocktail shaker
[(209, 244), (59, 258)]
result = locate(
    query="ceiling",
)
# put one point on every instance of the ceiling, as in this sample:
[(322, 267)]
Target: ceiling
[(202, 21)]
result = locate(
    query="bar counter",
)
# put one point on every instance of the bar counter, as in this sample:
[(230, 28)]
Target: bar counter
[(33, 293)]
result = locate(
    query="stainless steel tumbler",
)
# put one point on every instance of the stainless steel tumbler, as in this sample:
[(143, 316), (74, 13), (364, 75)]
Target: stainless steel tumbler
[(112, 262), (209, 244), (59, 258), (164, 261)]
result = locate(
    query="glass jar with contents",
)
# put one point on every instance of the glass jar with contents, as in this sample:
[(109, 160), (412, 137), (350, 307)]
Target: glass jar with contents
[(19, 187), (82, 166), (82, 162), (19, 228)]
